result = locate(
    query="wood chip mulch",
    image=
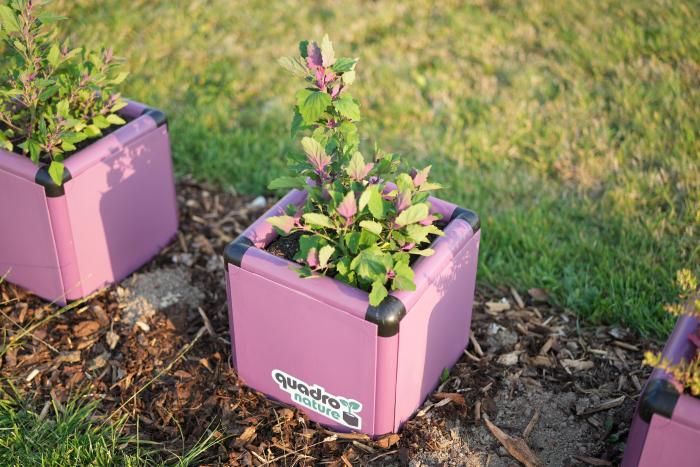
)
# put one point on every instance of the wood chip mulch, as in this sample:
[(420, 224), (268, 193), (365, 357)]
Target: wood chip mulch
[(171, 372)]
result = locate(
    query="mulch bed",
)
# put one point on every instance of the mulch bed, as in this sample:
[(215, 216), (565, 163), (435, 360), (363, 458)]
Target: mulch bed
[(172, 370)]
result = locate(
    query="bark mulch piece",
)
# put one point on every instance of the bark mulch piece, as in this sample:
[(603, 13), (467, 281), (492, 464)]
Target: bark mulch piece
[(554, 389)]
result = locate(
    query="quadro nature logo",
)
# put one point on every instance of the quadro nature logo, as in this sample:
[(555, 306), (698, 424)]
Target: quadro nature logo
[(314, 397)]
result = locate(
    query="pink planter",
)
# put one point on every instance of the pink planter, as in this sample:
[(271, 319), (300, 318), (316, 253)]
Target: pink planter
[(115, 210), (666, 425), (318, 345)]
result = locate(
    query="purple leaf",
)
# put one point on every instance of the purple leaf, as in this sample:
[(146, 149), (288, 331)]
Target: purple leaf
[(428, 220), (312, 258), (348, 207), (421, 177), (403, 201), (408, 246), (313, 55), (315, 154)]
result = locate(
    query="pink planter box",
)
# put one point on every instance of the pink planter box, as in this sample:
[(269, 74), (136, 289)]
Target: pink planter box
[(115, 210), (666, 425), (317, 344)]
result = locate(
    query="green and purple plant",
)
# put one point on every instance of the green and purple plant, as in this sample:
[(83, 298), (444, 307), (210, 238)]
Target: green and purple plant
[(364, 220), (52, 97)]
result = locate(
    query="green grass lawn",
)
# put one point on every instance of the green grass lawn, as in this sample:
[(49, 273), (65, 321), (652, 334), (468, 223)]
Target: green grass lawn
[(570, 127)]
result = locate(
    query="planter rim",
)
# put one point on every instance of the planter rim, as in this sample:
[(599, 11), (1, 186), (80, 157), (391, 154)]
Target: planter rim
[(144, 119), (660, 396), (247, 252)]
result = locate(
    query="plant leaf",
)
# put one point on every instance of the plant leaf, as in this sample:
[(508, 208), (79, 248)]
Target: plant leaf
[(321, 220), (376, 203), (324, 254), (347, 107), (374, 227), (344, 65), (284, 223), (378, 293), (56, 172), (286, 182), (8, 18), (327, 51), (313, 105), (413, 214), (115, 119)]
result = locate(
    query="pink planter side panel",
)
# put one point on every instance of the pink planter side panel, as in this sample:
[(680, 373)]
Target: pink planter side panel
[(670, 443), (122, 210), (27, 247), (435, 330), (303, 352)]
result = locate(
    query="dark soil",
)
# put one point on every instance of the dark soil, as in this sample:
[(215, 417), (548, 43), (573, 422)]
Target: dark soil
[(169, 368), (285, 247)]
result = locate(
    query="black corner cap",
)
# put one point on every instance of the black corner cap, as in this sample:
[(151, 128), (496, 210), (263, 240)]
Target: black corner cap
[(659, 397), (467, 215), (387, 315), (233, 254), (156, 115), (52, 190)]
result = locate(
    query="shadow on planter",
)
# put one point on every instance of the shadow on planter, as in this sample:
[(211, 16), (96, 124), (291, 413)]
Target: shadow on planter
[(115, 210)]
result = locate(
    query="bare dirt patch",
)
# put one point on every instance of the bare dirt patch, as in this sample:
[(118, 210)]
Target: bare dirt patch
[(566, 389)]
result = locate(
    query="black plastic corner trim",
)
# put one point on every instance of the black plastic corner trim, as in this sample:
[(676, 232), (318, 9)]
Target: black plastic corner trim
[(387, 316), (156, 115), (659, 397), (52, 190), (233, 254), (470, 216)]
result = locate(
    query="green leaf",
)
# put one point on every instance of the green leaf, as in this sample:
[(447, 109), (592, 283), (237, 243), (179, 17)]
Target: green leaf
[(303, 48), (56, 172), (327, 52), (316, 219), (297, 123), (92, 131), (100, 122), (404, 277), (306, 244), (294, 66), (419, 233), (287, 182), (63, 108), (324, 254), (404, 182), (376, 203), (428, 186), (444, 375), (120, 77), (8, 19), (413, 214), (349, 77), (374, 227), (54, 56), (115, 119), (344, 65), (67, 147), (312, 104), (347, 107), (378, 293), (425, 252), (372, 264), (5, 142)]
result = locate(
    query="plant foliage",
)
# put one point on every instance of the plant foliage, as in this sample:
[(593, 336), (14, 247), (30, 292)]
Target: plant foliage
[(686, 375), (364, 219), (52, 97)]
